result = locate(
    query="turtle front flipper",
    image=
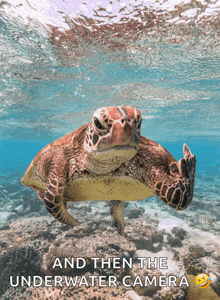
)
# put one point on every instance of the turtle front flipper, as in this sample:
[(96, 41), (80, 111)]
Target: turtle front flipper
[(117, 213), (55, 204), (176, 189)]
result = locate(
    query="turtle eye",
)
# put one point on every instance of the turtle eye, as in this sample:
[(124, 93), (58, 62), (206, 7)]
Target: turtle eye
[(98, 124)]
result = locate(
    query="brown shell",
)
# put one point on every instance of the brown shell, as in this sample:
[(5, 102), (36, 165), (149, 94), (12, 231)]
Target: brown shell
[(73, 135)]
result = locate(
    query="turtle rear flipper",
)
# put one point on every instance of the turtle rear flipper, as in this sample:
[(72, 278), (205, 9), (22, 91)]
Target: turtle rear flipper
[(55, 204), (117, 213)]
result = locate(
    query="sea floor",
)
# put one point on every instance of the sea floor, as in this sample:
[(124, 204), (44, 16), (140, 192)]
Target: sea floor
[(31, 240)]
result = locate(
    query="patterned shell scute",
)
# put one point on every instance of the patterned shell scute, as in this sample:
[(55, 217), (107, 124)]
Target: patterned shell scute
[(41, 152), (63, 140), (148, 142), (57, 143)]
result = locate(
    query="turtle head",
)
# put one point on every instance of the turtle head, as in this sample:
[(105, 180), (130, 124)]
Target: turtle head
[(113, 135)]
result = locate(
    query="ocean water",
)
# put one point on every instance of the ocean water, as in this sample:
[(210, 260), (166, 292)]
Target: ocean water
[(51, 83), (60, 62)]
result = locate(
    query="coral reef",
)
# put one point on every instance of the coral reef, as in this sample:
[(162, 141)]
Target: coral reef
[(197, 251), (202, 294), (145, 235), (134, 212), (24, 261), (51, 293), (145, 290), (173, 241), (192, 265), (179, 232), (96, 237), (171, 294)]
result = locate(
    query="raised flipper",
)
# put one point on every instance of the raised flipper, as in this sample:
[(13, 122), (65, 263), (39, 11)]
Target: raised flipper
[(117, 213), (176, 189), (55, 203), (41, 195)]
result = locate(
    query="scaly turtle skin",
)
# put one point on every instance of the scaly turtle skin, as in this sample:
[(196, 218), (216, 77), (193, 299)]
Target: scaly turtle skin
[(108, 159)]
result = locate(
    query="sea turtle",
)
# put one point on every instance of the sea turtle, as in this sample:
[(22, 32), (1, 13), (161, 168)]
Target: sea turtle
[(108, 159)]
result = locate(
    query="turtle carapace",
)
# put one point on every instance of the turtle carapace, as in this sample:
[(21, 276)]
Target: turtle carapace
[(108, 159)]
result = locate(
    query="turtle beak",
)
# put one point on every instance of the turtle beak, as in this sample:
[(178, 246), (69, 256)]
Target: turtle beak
[(123, 133)]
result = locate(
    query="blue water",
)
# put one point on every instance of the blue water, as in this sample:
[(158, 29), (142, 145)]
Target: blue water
[(62, 60), (46, 93), (56, 107)]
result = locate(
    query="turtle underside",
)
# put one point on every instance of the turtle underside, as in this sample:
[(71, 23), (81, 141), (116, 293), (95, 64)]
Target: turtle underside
[(106, 160)]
